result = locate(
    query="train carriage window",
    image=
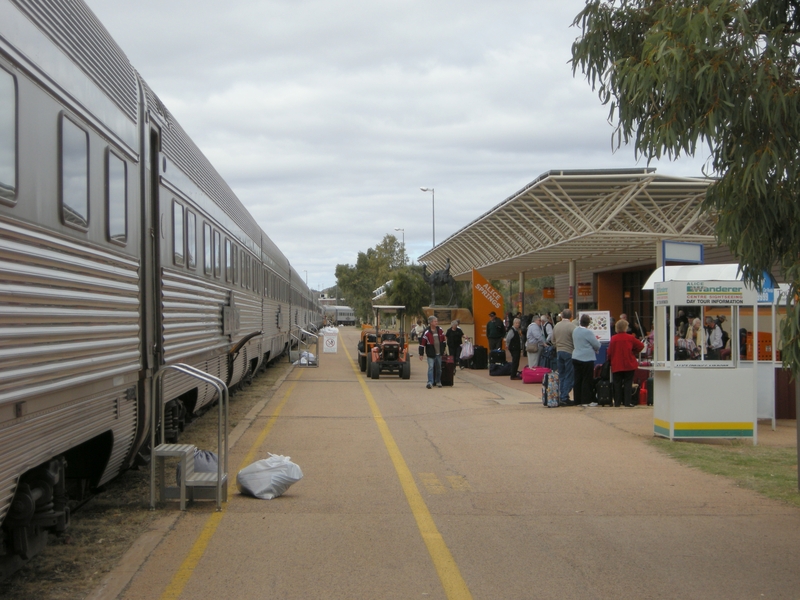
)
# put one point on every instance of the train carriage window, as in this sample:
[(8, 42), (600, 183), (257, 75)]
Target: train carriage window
[(228, 260), (8, 136), (207, 249), (116, 198), (191, 239), (74, 175), (217, 251), (178, 234), (235, 263)]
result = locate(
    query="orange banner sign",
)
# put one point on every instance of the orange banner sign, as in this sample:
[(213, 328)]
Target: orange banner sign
[(485, 299)]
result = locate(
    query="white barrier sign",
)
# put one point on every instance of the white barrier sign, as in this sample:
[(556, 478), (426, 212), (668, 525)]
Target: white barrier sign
[(330, 343)]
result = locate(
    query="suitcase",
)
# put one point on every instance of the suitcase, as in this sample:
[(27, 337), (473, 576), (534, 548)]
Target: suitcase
[(497, 357), (535, 375), (550, 389), (602, 389), (448, 370), (499, 370), (480, 357)]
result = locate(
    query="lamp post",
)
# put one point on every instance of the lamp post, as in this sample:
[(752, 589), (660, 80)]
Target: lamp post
[(403, 231), (433, 211)]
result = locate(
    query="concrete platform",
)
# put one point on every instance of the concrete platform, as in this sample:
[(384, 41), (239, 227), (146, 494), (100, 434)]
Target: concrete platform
[(521, 502)]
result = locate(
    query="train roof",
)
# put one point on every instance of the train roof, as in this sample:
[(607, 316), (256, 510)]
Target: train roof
[(81, 36)]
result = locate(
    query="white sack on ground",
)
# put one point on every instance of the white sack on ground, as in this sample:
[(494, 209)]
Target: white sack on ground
[(268, 478)]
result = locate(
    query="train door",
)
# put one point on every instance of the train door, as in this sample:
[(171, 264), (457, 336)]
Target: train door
[(151, 259)]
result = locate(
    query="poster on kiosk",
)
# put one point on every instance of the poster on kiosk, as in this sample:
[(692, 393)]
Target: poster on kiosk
[(702, 389)]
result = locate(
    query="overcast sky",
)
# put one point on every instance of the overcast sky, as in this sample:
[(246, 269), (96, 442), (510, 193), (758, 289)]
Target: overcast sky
[(326, 117)]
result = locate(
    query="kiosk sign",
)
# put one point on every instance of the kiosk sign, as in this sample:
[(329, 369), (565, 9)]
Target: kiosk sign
[(714, 292)]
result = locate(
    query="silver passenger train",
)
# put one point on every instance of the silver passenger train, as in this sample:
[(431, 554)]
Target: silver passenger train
[(121, 250)]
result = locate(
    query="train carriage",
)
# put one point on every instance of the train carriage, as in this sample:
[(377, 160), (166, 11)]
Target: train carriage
[(121, 250)]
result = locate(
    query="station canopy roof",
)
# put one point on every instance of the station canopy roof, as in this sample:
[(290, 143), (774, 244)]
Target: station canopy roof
[(602, 219)]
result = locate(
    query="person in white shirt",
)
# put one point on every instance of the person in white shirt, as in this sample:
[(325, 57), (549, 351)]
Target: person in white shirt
[(534, 341)]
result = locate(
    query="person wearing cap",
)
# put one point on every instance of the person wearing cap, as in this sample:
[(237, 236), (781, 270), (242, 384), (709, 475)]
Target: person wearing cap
[(534, 341), (495, 331), (431, 345)]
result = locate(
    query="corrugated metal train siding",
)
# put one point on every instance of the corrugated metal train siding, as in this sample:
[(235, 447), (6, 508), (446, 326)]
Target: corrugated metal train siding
[(192, 326), (69, 314), (65, 427), (192, 316)]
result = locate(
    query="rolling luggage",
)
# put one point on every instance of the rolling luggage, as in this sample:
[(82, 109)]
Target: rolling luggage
[(535, 375), (448, 369), (497, 357), (480, 358), (550, 389), (604, 393), (498, 370)]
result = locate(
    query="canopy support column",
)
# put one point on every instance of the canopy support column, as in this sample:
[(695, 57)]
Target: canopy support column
[(573, 287)]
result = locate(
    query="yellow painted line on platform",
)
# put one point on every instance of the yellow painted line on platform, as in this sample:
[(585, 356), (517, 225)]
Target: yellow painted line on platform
[(184, 572), (449, 574)]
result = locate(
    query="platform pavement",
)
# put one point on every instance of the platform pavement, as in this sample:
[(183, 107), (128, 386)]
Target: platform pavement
[(530, 503)]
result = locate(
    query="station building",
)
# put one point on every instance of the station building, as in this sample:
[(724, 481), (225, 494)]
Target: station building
[(599, 233)]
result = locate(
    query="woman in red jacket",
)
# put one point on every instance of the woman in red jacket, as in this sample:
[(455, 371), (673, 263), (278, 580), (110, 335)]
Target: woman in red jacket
[(622, 352)]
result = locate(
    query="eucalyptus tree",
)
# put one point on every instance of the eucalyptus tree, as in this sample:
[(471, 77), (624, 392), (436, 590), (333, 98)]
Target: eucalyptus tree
[(678, 74)]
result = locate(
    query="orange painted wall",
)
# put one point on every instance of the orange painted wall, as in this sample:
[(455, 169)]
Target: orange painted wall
[(609, 293)]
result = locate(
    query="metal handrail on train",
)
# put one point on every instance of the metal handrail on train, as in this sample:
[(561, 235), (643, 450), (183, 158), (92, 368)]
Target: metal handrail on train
[(222, 432), (316, 337)]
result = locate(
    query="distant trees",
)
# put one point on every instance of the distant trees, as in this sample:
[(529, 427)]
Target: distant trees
[(384, 263)]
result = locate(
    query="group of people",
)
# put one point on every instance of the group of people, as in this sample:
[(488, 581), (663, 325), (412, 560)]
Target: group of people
[(575, 345), (576, 349), (433, 341), (695, 338)]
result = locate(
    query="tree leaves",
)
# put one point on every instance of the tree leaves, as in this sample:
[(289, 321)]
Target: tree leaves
[(724, 73)]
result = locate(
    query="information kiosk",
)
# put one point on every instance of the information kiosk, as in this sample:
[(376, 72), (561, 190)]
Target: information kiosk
[(702, 387)]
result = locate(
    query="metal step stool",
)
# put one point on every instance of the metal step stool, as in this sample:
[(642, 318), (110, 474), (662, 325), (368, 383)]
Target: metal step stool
[(191, 485)]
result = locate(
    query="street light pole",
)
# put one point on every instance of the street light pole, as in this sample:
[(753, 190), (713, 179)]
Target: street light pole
[(403, 231), (433, 212)]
